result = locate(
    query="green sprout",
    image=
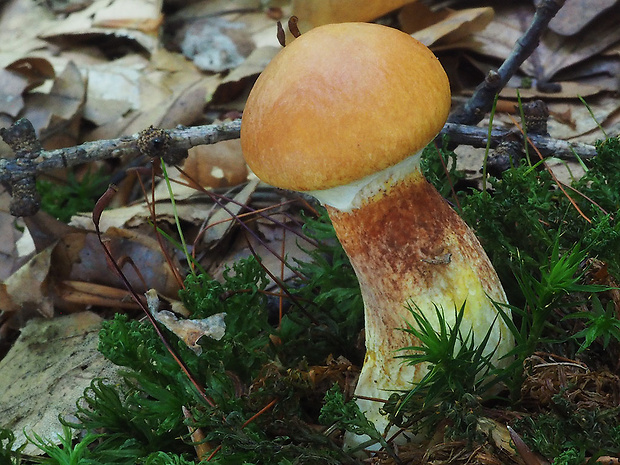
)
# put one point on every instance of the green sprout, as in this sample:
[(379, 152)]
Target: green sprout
[(600, 323), (457, 363)]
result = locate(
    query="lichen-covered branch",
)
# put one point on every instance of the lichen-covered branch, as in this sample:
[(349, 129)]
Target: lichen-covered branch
[(461, 134), (179, 139), (19, 173)]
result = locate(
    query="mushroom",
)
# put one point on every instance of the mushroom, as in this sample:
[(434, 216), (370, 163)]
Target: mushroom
[(342, 114)]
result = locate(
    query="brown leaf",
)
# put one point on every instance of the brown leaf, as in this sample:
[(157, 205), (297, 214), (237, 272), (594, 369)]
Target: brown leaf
[(576, 14), (161, 100), (57, 114), (568, 90), (418, 15), (554, 53), (235, 82), (114, 88), (46, 372), (140, 15), (10, 234), (288, 244), (529, 457), (312, 13), (27, 290), (220, 221), (36, 70), (187, 107), (90, 264), (80, 294), (133, 20), (12, 85), (188, 330), (217, 165), (443, 27), (18, 77), (21, 24)]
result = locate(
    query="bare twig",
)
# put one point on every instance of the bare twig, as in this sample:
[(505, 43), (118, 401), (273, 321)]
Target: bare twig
[(481, 101)]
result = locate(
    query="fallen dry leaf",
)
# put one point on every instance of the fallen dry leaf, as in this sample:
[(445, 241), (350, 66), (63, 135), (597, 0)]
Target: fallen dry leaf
[(79, 295), (217, 165), (529, 457), (46, 372), (447, 26), (12, 85), (21, 24), (576, 14), (418, 15), (312, 13), (90, 264), (56, 115), (139, 215), (220, 219), (554, 53), (165, 100), (189, 331), (10, 235), (580, 125), (140, 15), (571, 120), (236, 81), (113, 88), (569, 90), (187, 105), (18, 77), (134, 20), (68, 271), (37, 70), (495, 431), (27, 290), (274, 243)]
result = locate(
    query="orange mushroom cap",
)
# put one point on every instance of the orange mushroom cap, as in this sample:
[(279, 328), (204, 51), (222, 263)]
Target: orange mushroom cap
[(341, 102)]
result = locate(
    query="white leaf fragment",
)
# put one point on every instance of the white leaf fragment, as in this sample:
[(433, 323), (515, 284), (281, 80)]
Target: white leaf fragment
[(189, 331)]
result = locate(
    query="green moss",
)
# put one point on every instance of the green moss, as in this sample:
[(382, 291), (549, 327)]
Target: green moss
[(539, 243), (63, 200)]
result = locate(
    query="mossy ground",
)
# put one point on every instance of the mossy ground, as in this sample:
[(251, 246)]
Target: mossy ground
[(280, 387)]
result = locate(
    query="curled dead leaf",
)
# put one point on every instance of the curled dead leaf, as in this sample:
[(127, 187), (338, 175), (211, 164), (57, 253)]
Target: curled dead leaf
[(189, 331), (450, 27), (27, 290)]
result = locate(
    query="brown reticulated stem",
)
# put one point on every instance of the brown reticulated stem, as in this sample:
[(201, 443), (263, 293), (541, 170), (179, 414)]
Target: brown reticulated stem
[(409, 247)]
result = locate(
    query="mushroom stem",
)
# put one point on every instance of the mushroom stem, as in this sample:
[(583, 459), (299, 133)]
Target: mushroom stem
[(434, 260), (337, 114)]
